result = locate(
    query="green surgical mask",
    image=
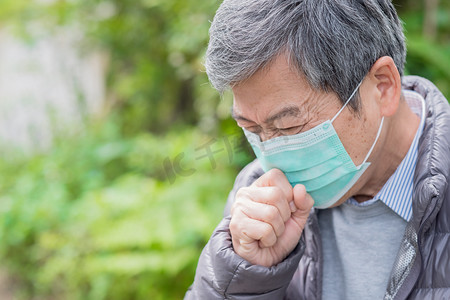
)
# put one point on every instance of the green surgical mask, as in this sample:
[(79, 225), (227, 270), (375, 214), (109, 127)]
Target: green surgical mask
[(315, 158)]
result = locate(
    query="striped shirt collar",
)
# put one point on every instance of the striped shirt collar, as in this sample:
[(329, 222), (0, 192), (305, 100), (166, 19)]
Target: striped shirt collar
[(397, 191)]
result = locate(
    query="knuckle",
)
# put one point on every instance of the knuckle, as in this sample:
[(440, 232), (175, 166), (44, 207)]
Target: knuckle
[(242, 196), (242, 193), (271, 213), (275, 194), (275, 173), (236, 205), (234, 226), (267, 231)]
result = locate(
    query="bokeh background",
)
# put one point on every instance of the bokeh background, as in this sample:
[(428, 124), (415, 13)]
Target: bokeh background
[(116, 154)]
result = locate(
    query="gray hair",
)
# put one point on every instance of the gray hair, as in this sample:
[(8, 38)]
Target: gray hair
[(333, 43)]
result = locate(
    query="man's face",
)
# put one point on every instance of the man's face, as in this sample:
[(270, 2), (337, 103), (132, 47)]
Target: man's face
[(277, 101)]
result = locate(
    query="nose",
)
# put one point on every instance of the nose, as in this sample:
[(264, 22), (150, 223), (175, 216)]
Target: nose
[(264, 136)]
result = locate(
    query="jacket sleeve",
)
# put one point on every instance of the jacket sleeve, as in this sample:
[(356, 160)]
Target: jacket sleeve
[(222, 274)]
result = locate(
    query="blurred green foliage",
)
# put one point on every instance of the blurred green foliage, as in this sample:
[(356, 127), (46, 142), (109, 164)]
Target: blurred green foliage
[(428, 56), (95, 217), (123, 209)]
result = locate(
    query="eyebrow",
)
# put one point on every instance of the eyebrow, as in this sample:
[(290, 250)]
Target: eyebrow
[(286, 111)]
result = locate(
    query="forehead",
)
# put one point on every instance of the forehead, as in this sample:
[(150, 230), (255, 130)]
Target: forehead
[(275, 88)]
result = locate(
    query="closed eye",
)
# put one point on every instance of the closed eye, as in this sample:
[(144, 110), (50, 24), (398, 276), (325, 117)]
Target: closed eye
[(254, 129), (290, 130)]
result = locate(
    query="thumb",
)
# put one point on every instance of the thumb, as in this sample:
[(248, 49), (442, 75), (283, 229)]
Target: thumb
[(304, 202)]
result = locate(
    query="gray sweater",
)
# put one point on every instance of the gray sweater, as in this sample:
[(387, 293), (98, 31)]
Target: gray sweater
[(360, 244), (422, 266)]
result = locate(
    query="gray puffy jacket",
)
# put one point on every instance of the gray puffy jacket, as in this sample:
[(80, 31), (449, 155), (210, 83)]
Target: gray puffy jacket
[(422, 267)]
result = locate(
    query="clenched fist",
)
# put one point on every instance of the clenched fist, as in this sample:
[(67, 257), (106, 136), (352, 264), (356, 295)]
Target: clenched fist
[(268, 217)]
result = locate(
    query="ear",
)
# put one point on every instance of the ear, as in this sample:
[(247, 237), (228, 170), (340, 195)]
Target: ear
[(387, 85)]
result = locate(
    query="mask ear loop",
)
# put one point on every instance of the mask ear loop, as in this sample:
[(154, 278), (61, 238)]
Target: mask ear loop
[(375, 142), (379, 128), (345, 104)]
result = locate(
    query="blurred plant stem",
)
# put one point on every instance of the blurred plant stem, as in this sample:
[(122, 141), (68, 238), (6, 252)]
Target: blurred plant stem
[(430, 19)]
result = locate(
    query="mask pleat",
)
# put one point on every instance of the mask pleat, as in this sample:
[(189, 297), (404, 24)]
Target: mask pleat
[(313, 172), (328, 178), (295, 160)]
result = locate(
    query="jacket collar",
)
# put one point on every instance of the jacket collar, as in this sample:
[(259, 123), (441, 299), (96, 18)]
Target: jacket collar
[(432, 170)]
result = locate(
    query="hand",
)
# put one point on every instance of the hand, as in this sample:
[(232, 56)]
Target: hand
[(268, 217)]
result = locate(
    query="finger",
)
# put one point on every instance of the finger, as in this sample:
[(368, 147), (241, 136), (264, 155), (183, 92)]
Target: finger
[(264, 213), (304, 203), (270, 195), (246, 231), (295, 225), (275, 177)]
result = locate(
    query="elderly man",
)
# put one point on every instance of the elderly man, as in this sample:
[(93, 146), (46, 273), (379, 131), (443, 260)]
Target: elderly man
[(349, 195)]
